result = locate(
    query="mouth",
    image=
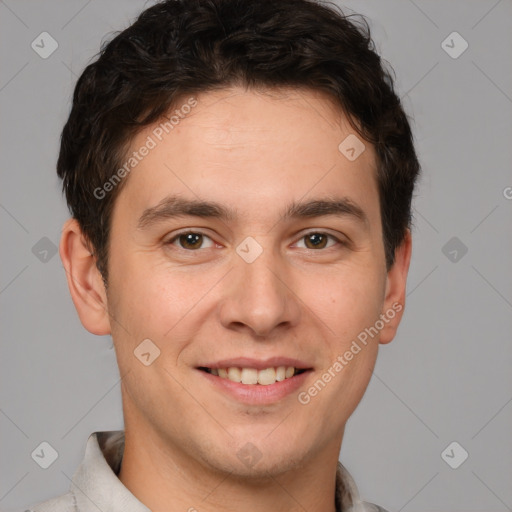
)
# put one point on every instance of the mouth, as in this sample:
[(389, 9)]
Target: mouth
[(253, 376), (256, 381)]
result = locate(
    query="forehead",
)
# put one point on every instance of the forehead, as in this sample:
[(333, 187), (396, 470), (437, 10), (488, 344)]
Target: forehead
[(248, 149)]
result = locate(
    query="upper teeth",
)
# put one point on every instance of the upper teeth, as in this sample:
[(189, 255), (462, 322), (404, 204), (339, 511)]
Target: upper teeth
[(253, 376)]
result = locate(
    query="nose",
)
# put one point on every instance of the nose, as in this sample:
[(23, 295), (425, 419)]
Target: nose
[(258, 297)]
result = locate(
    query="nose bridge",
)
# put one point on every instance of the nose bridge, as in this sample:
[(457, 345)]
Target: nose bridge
[(257, 295)]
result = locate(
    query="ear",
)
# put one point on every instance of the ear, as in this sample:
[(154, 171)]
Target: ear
[(394, 300), (84, 279)]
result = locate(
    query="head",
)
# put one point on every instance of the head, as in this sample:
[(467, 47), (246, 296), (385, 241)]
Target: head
[(240, 184)]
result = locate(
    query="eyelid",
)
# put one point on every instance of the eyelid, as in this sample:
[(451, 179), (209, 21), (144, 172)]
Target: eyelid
[(337, 239), (199, 231), (175, 237)]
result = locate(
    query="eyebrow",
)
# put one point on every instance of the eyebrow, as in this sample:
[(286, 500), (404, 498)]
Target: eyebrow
[(174, 206)]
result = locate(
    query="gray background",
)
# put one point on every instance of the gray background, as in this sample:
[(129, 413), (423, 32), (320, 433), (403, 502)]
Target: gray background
[(446, 377)]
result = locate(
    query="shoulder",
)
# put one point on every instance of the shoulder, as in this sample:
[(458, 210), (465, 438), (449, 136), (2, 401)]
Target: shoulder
[(64, 503)]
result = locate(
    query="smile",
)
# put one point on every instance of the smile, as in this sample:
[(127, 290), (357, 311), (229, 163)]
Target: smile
[(253, 376)]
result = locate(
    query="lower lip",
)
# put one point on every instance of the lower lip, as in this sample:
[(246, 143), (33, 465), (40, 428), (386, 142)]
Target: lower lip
[(256, 393)]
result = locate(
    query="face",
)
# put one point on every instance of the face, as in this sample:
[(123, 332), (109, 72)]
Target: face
[(245, 239)]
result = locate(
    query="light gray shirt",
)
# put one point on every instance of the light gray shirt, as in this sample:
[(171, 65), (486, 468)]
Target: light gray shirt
[(95, 485)]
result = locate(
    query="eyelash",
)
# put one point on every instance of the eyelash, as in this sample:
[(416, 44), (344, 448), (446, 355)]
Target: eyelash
[(190, 232)]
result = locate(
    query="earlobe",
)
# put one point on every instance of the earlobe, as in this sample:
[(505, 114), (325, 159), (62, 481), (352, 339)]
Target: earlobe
[(394, 301), (84, 279)]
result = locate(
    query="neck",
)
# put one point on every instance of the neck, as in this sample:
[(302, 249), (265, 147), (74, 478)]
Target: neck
[(166, 479)]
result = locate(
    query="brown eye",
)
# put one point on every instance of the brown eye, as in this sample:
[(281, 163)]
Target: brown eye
[(316, 240), (319, 240), (191, 241)]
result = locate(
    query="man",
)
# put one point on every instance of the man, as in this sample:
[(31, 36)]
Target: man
[(240, 178)]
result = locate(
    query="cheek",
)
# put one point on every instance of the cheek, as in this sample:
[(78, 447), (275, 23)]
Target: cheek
[(351, 304), (348, 300), (154, 301)]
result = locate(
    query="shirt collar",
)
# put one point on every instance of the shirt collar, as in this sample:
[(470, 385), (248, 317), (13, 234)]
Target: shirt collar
[(95, 484)]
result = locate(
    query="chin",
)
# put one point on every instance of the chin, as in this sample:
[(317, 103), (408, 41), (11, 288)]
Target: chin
[(264, 470), (255, 462)]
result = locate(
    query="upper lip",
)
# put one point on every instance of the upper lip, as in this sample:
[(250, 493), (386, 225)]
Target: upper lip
[(258, 364)]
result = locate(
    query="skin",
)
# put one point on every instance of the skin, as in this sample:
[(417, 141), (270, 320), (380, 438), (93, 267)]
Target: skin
[(254, 152)]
